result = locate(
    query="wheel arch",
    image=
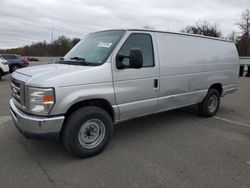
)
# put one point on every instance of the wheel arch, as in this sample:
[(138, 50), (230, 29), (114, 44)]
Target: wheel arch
[(98, 102), (218, 87)]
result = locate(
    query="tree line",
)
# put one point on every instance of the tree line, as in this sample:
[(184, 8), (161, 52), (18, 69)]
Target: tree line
[(63, 44), (58, 47)]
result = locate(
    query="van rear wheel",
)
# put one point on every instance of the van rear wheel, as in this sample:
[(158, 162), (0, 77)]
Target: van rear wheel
[(87, 131), (210, 104)]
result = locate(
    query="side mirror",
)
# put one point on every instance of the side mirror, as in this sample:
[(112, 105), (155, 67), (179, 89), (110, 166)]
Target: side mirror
[(119, 59), (135, 59)]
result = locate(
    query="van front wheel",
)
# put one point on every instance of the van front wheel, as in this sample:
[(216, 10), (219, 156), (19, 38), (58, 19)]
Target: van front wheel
[(210, 104), (87, 131)]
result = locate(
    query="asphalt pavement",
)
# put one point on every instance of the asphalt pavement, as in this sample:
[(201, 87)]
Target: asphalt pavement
[(172, 149)]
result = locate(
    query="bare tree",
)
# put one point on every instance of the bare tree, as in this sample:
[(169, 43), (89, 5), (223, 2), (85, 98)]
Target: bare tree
[(244, 23), (232, 36), (243, 44), (203, 28)]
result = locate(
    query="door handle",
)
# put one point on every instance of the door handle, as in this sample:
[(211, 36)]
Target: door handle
[(155, 83)]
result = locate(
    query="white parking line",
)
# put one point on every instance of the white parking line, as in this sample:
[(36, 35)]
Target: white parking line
[(4, 119), (231, 121)]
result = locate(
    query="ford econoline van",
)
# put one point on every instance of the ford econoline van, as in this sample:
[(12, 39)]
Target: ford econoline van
[(115, 75)]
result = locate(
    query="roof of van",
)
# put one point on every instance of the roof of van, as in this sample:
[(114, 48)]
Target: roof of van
[(177, 33)]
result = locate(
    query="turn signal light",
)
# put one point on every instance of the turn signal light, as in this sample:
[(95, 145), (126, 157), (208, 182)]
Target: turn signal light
[(48, 99)]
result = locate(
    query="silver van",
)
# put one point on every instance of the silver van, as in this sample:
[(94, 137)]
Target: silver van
[(115, 75)]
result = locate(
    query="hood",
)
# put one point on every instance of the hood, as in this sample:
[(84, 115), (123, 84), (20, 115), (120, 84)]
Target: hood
[(60, 75)]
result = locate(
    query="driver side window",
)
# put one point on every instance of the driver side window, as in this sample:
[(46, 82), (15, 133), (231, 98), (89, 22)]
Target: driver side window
[(144, 43)]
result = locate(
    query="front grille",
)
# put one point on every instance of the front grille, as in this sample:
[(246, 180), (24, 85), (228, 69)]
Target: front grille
[(17, 92)]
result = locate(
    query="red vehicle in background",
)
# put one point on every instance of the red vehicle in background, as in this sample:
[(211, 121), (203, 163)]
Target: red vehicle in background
[(26, 60)]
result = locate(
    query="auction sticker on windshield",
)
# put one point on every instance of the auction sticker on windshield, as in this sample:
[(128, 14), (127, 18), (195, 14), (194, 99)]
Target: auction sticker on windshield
[(104, 44)]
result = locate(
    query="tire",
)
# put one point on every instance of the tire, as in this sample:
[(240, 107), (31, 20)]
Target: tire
[(210, 104), (14, 67), (0, 74), (87, 131)]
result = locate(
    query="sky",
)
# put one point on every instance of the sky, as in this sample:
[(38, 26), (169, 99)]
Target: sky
[(23, 22)]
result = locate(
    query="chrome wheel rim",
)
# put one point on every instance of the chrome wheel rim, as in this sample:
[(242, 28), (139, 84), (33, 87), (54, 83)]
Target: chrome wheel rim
[(91, 133), (212, 103)]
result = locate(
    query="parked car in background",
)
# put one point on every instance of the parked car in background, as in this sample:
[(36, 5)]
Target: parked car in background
[(33, 59), (15, 61), (4, 68)]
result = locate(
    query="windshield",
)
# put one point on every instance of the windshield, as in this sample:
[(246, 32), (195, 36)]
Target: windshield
[(94, 48)]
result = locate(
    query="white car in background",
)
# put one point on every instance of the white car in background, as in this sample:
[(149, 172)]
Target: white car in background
[(4, 67)]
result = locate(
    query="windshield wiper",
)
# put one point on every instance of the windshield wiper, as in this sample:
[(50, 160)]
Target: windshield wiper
[(77, 58), (78, 62)]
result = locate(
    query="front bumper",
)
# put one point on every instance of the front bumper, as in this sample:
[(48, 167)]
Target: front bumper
[(34, 126)]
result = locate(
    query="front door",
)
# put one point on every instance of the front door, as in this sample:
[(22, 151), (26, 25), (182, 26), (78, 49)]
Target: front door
[(136, 90)]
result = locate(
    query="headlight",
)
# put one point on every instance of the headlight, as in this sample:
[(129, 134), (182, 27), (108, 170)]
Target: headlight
[(41, 100), (4, 62)]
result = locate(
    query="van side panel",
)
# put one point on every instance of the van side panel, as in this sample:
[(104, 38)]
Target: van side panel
[(189, 65)]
